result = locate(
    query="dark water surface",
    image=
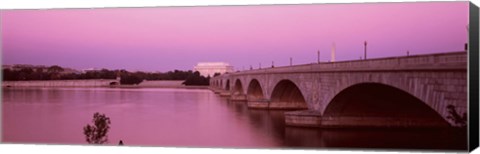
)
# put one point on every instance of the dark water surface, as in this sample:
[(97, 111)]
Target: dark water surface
[(184, 118)]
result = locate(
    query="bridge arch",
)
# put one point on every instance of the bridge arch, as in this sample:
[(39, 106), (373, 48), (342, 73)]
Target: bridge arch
[(227, 85), (287, 95), (373, 104), (237, 88), (255, 91)]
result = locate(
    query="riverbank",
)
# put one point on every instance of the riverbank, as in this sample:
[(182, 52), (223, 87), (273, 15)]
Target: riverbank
[(140, 86), (99, 83), (160, 84), (61, 83)]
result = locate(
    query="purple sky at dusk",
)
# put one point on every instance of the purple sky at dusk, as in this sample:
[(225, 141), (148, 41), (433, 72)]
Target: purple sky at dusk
[(167, 38)]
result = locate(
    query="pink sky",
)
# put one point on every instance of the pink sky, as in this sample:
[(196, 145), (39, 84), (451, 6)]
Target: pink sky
[(167, 38)]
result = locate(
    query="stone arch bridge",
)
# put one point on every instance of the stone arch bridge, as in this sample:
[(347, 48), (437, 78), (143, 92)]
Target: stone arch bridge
[(411, 91)]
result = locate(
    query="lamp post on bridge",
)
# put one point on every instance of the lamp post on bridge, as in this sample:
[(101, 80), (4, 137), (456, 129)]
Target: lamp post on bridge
[(365, 50), (290, 61), (468, 38), (318, 56)]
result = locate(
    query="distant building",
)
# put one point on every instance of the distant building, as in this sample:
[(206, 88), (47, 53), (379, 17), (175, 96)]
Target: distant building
[(91, 69), (210, 68)]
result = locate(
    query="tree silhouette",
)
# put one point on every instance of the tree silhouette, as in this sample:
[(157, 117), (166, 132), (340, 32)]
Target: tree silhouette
[(130, 78), (197, 79), (97, 134), (55, 69), (55, 72), (459, 120)]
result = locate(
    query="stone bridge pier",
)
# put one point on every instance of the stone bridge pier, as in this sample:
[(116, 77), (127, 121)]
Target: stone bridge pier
[(221, 87), (411, 91)]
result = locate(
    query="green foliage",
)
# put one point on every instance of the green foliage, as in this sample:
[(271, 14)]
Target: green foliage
[(97, 133)]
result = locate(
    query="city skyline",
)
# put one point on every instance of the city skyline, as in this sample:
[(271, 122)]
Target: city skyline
[(168, 38)]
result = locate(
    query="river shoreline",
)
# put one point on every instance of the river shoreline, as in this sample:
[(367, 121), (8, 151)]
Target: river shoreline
[(116, 86), (97, 83), (140, 86)]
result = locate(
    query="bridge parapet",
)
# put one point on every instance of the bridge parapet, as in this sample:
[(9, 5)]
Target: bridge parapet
[(441, 61)]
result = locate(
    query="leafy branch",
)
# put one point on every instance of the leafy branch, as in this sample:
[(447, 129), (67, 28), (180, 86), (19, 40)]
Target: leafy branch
[(457, 119), (97, 133)]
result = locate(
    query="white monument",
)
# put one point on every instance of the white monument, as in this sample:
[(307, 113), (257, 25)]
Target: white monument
[(210, 68)]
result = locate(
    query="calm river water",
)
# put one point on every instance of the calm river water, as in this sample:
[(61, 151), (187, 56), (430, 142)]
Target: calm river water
[(183, 118)]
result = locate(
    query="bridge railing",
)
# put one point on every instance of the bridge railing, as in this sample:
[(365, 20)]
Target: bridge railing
[(452, 60)]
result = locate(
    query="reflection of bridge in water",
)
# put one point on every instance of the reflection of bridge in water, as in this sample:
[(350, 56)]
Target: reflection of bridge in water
[(411, 91)]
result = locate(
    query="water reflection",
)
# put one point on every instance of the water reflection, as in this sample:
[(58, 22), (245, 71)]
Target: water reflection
[(271, 122), (185, 118)]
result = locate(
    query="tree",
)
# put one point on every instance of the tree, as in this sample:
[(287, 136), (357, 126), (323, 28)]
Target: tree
[(54, 72), (460, 121), (196, 79), (97, 133), (9, 75), (55, 69), (25, 74), (130, 79)]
